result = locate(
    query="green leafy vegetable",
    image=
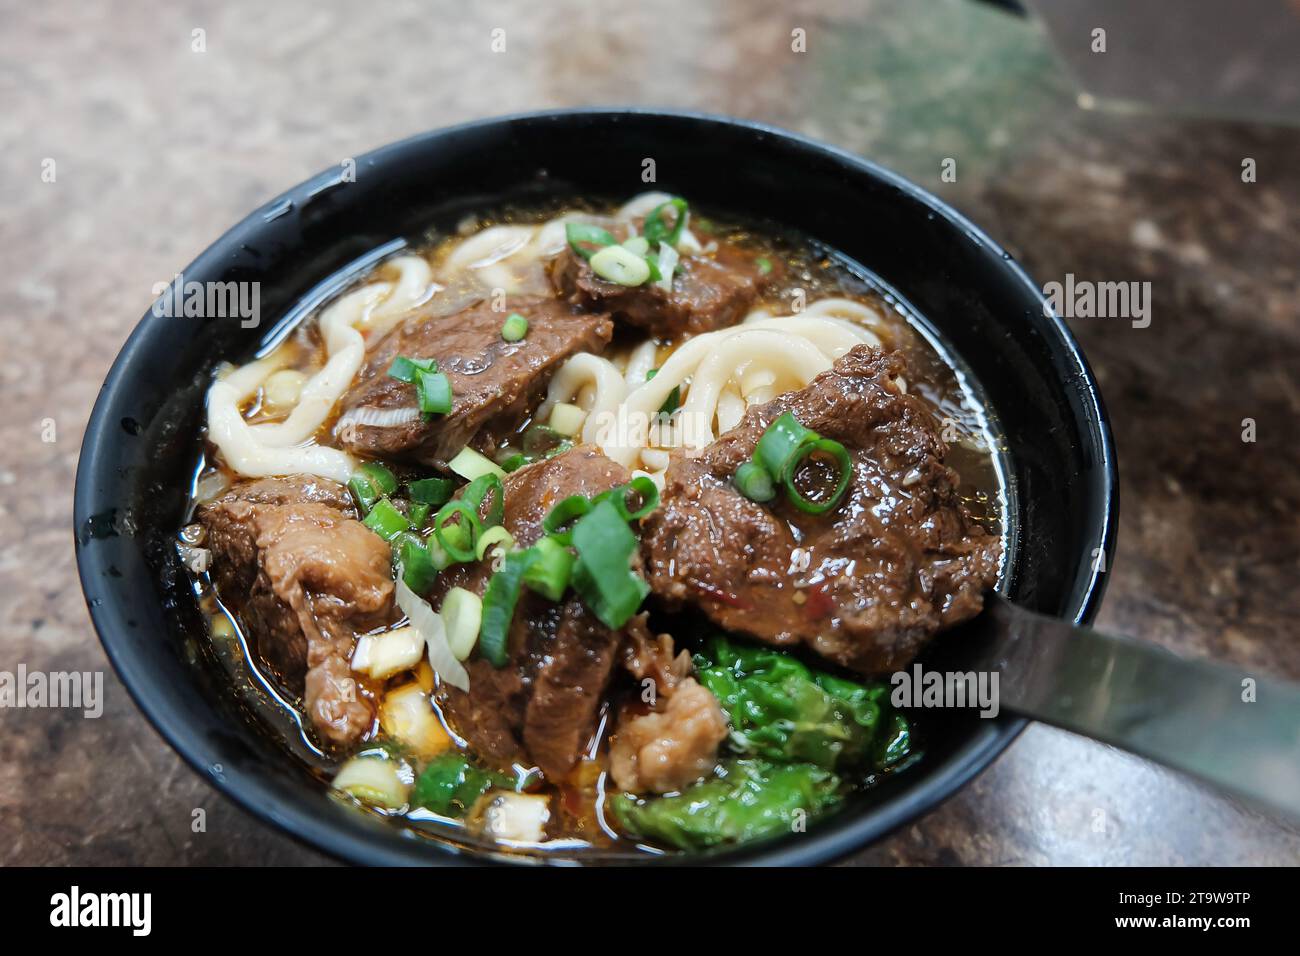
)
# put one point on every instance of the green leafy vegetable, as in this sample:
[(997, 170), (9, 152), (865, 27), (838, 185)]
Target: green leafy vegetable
[(748, 799), (781, 709)]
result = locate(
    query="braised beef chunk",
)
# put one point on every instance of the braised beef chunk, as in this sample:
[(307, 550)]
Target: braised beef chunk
[(542, 706), (305, 578), (710, 291), (495, 384), (896, 561)]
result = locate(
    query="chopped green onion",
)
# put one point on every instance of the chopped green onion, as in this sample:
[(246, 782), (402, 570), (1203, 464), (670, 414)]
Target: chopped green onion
[(665, 264), (618, 265), (431, 491), (514, 462), (515, 327), (418, 569), (672, 402), (480, 488), (499, 606), (764, 265), (844, 467), (462, 616), (574, 506), (433, 393), (457, 539), (656, 274), (549, 574), (419, 513), (441, 559), (363, 491), (493, 536), (656, 230), (651, 374), (602, 575), (385, 520), (408, 369), (580, 235), (779, 442), (753, 481), (645, 488), (566, 419), (637, 245), (381, 479), (469, 464)]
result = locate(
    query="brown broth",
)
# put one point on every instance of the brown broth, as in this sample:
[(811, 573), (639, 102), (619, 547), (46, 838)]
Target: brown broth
[(578, 821)]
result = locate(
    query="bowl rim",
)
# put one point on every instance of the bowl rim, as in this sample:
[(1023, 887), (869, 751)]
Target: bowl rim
[(833, 838)]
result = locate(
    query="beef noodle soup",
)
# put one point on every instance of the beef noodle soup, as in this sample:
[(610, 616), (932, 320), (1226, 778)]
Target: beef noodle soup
[(599, 528)]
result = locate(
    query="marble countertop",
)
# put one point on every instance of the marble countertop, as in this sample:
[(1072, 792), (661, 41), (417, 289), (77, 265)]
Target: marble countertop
[(125, 149)]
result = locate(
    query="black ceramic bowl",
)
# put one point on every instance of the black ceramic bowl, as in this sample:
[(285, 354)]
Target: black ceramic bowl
[(139, 452)]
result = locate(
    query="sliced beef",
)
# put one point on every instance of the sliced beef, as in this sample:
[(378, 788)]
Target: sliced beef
[(305, 578), (896, 561), (542, 706), (672, 746), (495, 384), (710, 291)]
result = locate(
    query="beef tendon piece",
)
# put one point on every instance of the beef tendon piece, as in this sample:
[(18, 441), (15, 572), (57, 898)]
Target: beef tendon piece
[(864, 585), (542, 706), (670, 747), (305, 577), (495, 384), (709, 291)]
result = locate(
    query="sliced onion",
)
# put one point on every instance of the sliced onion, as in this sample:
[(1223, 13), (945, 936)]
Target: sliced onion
[(197, 560), (668, 260), (210, 485), (428, 624)]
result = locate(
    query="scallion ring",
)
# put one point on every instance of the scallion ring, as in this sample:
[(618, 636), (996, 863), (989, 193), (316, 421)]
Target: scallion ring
[(618, 265), (549, 574), (433, 393), (457, 540), (574, 506), (581, 235), (431, 491), (408, 369), (646, 491), (844, 469), (515, 327), (499, 605), (780, 441), (480, 488), (656, 230), (753, 481)]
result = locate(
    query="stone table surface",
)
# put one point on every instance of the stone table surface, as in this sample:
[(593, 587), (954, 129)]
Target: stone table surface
[(157, 146)]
